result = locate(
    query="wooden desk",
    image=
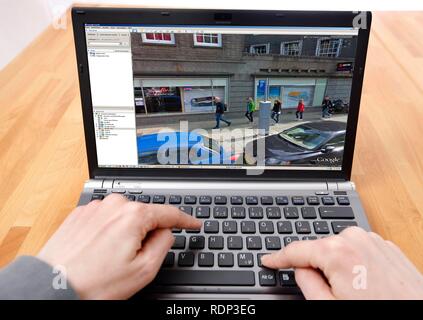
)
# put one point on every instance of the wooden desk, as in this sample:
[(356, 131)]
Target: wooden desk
[(43, 162)]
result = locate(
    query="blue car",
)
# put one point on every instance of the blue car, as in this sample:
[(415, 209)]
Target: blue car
[(196, 148)]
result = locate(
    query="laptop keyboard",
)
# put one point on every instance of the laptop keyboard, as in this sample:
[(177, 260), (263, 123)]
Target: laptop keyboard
[(237, 230)]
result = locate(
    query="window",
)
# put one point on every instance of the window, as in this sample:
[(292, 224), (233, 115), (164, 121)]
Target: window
[(260, 48), (291, 48), (160, 38), (328, 47), (208, 39)]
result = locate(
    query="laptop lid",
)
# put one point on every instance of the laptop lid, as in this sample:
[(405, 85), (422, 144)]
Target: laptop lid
[(171, 93)]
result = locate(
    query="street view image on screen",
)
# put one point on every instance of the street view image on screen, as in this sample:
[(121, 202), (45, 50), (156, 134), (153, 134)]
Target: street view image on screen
[(220, 96)]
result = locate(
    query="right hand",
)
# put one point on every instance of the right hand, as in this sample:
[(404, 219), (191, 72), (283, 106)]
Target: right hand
[(352, 265)]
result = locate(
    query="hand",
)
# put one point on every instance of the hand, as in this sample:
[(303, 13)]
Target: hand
[(112, 248), (352, 265)]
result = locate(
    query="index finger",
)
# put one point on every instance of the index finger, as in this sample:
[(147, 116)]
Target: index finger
[(164, 216)]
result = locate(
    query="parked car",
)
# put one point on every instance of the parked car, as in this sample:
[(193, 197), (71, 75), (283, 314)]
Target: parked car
[(319, 143), (201, 149)]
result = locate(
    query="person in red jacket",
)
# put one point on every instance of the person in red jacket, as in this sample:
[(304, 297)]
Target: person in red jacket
[(300, 110)]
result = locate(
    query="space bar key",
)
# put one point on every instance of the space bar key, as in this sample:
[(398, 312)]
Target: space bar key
[(205, 278)]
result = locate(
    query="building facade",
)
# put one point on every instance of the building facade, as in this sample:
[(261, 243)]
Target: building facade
[(182, 73)]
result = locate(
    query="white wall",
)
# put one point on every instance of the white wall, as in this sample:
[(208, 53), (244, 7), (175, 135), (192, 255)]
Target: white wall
[(21, 21)]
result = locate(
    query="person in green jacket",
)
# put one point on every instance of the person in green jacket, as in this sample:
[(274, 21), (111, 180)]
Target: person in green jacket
[(251, 107)]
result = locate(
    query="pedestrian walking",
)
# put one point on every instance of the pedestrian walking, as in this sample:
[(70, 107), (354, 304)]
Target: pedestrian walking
[(300, 110), (251, 107), (220, 110), (326, 106), (276, 111)]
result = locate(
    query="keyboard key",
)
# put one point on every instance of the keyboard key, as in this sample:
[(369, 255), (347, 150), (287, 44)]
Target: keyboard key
[(308, 213), (251, 200), (236, 200), (282, 200), (206, 259), (245, 259), (253, 243), (238, 212), (197, 242), (328, 201), (338, 226), (100, 191), (313, 200), (159, 199), (211, 226), (229, 227), (266, 227), (205, 200), (234, 242), (205, 278), (135, 191), (220, 200), (288, 240), (176, 230), (287, 278), (266, 200), (248, 227), (273, 213), (291, 212), (190, 199), (309, 238), (144, 198), (298, 201), (185, 259), (272, 243), (284, 227), (179, 242), (216, 242), (321, 193), (220, 212), (336, 213), (302, 227), (202, 212), (225, 259), (173, 199), (267, 278), (192, 231), (255, 212), (130, 197), (122, 191), (186, 209), (321, 227), (97, 197), (169, 260), (343, 201), (259, 255)]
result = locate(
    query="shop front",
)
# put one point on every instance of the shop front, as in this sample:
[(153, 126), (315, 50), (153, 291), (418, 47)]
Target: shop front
[(189, 95), (290, 90)]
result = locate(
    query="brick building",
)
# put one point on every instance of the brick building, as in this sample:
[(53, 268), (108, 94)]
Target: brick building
[(180, 73)]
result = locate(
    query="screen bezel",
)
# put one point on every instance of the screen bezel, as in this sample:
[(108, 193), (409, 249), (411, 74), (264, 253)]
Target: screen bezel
[(83, 16)]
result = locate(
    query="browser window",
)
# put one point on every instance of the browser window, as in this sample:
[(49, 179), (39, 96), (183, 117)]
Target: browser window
[(220, 96)]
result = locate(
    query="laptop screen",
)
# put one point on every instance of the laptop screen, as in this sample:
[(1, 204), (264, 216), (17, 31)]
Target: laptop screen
[(220, 96)]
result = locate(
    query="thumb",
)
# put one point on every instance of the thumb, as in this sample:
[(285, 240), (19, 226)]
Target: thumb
[(313, 285)]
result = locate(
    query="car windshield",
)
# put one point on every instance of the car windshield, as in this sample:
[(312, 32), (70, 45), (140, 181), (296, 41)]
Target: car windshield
[(305, 137)]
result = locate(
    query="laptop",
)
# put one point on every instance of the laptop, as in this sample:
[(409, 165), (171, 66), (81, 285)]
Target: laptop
[(244, 119)]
